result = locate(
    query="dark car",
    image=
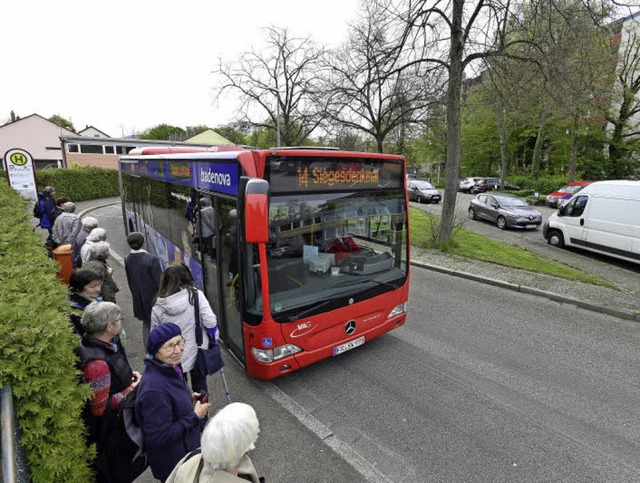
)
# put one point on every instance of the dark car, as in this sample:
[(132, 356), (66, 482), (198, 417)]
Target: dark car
[(487, 184), (505, 210)]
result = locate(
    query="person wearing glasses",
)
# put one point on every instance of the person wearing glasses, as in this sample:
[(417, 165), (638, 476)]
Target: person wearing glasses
[(106, 370), (168, 413)]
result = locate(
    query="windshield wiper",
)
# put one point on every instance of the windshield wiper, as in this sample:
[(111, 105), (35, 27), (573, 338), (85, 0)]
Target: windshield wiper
[(317, 305)]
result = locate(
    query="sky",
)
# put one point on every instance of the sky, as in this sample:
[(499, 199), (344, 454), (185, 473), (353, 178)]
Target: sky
[(125, 66)]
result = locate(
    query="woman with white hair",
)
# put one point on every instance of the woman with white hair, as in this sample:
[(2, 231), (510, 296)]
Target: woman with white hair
[(97, 254), (94, 236), (88, 223), (226, 442)]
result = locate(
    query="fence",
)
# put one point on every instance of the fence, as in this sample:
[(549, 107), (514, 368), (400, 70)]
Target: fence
[(14, 461)]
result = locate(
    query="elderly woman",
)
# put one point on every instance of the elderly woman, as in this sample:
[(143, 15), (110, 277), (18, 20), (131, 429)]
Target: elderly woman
[(84, 287), (67, 225), (226, 441), (176, 303), (97, 255), (94, 236), (165, 409), (108, 373)]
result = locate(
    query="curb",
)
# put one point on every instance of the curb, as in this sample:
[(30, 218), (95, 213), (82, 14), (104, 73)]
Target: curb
[(622, 314)]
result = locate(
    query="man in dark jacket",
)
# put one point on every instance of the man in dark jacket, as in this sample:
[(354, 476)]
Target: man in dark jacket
[(165, 409), (143, 274), (49, 212)]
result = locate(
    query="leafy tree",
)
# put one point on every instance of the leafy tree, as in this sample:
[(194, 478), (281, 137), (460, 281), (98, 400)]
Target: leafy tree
[(282, 83), (164, 132), (62, 122), (624, 131)]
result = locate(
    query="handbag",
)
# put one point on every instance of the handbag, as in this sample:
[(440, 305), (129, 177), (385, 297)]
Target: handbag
[(208, 361)]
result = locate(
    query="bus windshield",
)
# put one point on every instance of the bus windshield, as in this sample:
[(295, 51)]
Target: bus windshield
[(324, 246)]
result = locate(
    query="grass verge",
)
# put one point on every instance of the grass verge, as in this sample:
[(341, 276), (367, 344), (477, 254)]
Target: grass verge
[(467, 244)]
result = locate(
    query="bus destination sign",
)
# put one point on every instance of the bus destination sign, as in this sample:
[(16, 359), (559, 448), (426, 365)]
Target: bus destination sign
[(332, 174)]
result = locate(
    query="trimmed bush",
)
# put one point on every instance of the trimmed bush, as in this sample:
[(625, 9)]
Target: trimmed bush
[(80, 184), (36, 350)]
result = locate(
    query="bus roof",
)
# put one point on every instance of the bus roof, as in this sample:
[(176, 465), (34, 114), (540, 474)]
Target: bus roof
[(158, 150)]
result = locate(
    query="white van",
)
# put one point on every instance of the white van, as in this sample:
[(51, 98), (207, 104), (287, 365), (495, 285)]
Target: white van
[(603, 217)]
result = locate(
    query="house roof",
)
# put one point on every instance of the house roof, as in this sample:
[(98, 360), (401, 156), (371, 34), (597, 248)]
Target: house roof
[(95, 129), (34, 115), (208, 137)]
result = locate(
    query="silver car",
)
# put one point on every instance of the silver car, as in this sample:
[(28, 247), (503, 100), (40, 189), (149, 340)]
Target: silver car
[(423, 191), (506, 211)]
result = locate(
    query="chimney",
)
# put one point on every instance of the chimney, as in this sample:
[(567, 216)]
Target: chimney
[(13, 116)]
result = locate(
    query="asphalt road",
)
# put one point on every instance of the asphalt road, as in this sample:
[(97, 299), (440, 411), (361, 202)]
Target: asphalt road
[(481, 384), (485, 385)]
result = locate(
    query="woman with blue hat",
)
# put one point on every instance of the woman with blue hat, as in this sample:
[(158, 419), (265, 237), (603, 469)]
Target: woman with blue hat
[(168, 413)]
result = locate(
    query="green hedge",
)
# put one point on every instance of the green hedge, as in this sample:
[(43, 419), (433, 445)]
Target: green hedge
[(36, 350), (80, 184)]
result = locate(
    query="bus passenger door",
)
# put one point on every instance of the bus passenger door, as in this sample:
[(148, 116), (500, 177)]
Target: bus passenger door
[(228, 257)]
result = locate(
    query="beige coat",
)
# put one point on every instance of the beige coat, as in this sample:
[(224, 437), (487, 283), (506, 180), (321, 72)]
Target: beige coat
[(185, 472)]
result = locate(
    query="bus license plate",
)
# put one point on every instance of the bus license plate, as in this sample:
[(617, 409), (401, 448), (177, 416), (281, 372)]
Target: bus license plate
[(348, 346)]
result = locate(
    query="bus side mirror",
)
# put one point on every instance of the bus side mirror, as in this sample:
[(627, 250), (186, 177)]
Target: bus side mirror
[(256, 210)]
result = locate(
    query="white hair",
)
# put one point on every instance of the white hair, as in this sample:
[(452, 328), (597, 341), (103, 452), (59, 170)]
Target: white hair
[(96, 251), (229, 435), (89, 223), (69, 207), (97, 234)]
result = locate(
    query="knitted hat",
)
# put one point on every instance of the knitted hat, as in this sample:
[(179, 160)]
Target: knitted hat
[(161, 334)]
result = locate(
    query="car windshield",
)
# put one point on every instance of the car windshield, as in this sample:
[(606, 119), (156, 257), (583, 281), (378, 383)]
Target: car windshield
[(570, 189), (423, 185), (512, 202)]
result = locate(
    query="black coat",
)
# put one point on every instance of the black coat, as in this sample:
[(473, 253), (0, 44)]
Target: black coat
[(143, 274)]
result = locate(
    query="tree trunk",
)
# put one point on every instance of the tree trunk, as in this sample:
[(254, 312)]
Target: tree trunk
[(573, 161), (452, 168), (537, 150), (504, 141)]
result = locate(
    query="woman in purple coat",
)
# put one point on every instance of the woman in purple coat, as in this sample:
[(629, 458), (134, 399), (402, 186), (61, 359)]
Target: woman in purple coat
[(168, 413)]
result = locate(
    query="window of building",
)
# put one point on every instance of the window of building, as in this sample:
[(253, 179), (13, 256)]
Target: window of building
[(73, 148), (91, 149), (109, 150)]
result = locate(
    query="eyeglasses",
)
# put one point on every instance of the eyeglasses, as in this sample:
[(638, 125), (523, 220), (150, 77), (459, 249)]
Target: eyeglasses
[(121, 319), (170, 347)]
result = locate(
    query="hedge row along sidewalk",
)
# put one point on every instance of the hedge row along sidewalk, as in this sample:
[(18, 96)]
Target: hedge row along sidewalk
[(36, 350)]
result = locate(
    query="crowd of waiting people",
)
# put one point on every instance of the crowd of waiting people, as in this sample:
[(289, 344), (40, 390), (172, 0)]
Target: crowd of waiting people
[(169, 401)]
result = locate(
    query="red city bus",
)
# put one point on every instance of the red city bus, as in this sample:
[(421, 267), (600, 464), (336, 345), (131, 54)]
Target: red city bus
[(308, 253)]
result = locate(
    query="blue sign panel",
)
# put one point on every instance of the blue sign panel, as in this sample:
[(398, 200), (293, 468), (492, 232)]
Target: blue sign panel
[(220, 177)]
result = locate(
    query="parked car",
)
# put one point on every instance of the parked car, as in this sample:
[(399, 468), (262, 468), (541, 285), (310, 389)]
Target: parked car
[(466, 184), (423, 191), (557, 198), (505, 210), (487, 184)]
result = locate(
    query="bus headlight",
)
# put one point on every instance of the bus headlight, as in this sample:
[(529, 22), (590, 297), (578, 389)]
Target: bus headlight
[(270, 355), (399, 309)]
